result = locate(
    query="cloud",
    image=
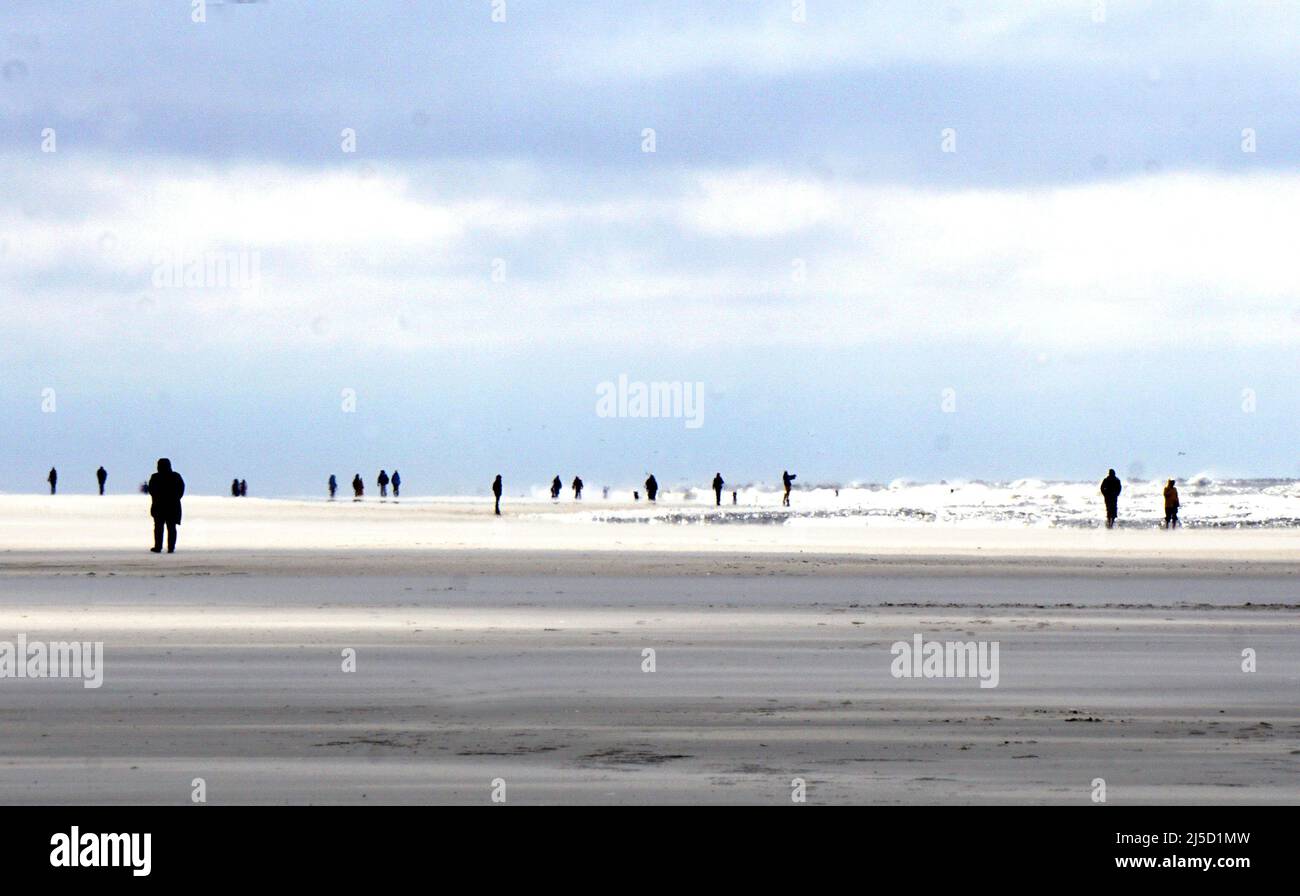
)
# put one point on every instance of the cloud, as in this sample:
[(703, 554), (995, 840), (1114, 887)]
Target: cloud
[(431, 255)]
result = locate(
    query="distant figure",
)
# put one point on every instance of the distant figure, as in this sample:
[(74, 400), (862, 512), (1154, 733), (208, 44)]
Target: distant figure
[(556, 485), (334, 486), (786, 478), (636, 496), (166, 488), (243, 488), (734, 499), (383, 484), (234, 488), (53, 480), (1110, 489), (358, 487), (496, 491), (1171, 506), (577, 488), (651, 487), (101, 475), (604, 492), (397, 484), (717, 487)]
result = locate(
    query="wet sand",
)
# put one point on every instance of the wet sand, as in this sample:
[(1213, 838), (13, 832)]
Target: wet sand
[(526, 666)]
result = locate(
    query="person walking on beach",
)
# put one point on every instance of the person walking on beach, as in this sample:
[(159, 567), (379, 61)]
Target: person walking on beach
[(577, 488), (358, 487), (1110, 489), (1171, 506), (166, 488), (334, 486), (717, 488), (556, 485), (243, 488), (651, 487), (53, 480), (496, 491), (786, 478), (101, 476), (383, 484), (397, 484), (234, 488)]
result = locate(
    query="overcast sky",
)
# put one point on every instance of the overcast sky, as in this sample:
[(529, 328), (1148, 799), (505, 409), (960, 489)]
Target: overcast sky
[(1078, 217)]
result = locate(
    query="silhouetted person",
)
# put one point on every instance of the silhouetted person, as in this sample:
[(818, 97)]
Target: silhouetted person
[(53, 480), (786, 478), (577, 488), (234, 488), (397, 484), (383, 484), (166, 488), (1171, 505), (636, 496), (496, 491), (556, 485), (358, 487), (1110, 489), (651, 487), (734, 499), (101, 476), (243, 488), (334, 486), (717, 488)]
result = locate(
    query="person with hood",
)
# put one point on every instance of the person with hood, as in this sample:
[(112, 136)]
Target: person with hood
[(358, 487), (166, 488), (397, 484), (496, 492), (101, 476), (717, 488), (53, 480), (556, 485), (1110, 489), (786, 478), (1171, 506), (334, 486), (383, 484), (651, 487), (577, 488)]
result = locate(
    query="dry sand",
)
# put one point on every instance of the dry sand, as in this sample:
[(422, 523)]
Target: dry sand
[(513, 649)]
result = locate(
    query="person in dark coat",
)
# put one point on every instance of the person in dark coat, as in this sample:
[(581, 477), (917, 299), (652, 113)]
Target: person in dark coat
[(556, 485), (53, 480), (651, 487), (358, 487), (234, 488), (166, 488), (1171, 505), (577, 488), (496, 491), (1110, 489), (717, 488), (101, 476), (333, 486), (243, 488), (397, 484), (383, 484), (786, 479)]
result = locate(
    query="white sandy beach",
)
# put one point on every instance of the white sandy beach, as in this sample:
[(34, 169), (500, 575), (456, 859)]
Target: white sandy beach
[(512, 648)]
